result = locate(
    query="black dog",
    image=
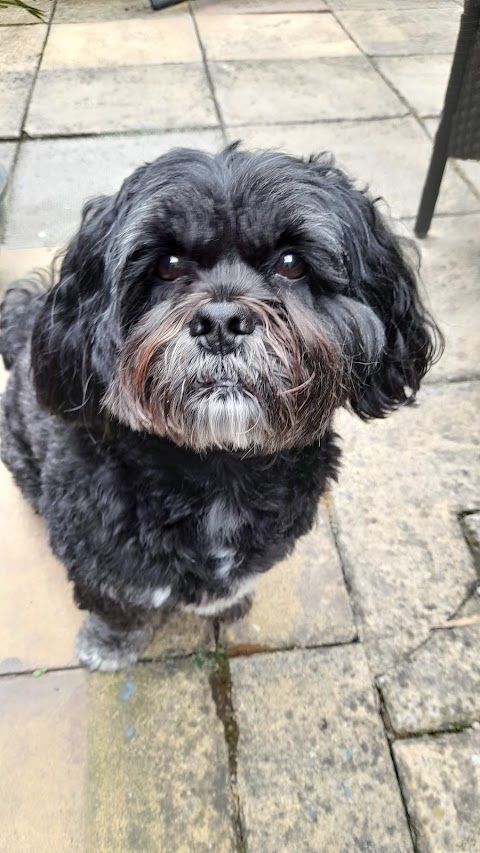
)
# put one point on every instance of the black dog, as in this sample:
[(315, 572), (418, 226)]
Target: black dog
[(169, 407)]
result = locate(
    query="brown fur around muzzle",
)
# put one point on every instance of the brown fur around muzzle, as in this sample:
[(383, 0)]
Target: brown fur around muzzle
[(278, 390)]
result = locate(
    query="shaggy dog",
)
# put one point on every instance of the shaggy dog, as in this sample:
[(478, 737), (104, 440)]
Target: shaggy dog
[(169, 407)]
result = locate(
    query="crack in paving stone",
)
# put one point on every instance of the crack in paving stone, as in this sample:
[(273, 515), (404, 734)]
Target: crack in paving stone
[(221, 687)]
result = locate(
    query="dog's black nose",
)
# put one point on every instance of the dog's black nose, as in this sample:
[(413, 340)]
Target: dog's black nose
[(220, 325)]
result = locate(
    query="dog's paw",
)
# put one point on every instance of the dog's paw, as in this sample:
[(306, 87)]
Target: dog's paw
[(100, 647), (236, 611)]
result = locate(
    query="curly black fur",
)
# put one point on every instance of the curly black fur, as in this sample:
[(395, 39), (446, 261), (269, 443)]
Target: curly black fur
[(169, 473)]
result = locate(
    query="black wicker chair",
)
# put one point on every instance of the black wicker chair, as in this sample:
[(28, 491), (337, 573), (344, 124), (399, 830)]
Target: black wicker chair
[(458, 134)]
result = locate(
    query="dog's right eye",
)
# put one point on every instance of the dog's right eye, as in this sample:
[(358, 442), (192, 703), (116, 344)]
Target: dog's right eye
[(170, 268), (290, 266)]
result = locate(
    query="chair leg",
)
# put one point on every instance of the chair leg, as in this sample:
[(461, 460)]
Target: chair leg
[(433, 180), (465, 40)]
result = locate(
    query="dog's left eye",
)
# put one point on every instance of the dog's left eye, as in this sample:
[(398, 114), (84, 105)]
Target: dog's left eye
[(290, 266), (170, 268)]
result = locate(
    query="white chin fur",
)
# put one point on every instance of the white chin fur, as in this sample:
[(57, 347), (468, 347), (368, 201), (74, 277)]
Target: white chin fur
[(227, 420)]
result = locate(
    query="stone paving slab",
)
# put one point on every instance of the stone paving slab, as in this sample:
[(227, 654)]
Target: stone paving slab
[(314, 770), (38, 620), (441, 783), (158, 776), (390, 156), (469, 168), (264, 92), (300, 602), (14, 92), (422, 83), (20, 47), (402, 485), (471, 526), (449, 269), (120, 99), (437, 687), (16, 15), (390, 5), (104, 44), (181, 634), (113, 763), (248, 7), (54, 178), (43, 745), (83, 11), (404, 32), (255, 37), (15, 263), (7, 156)]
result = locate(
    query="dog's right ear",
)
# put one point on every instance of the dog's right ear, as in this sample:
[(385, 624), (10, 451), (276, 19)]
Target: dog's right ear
[(73, 336)]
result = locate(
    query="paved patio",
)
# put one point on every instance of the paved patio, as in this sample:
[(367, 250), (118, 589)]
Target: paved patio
[(345, 720)]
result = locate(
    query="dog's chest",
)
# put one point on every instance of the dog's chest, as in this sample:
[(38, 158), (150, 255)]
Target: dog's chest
[(221, 525)]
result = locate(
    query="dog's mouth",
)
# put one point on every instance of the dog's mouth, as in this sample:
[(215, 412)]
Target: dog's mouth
[(218, 384)]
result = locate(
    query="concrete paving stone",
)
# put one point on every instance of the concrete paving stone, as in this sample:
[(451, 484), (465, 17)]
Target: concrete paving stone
[(254, 37), (54, 178), (472, 605), (390, 5), (471, 527), (404, 32), (38, 620), (421, 82), (437, 687), (257, 7), (120, 99), (181, 634), (469, 168), (14, 92), (330, 88), (441, 785), (17, 15), (20, 47), (449, 270), (403, 483), (16, 263), (300, 602), (314, 770), (389, 156), (7, 154), (83, 11), (157, 764), (42, 743), (106, 44)]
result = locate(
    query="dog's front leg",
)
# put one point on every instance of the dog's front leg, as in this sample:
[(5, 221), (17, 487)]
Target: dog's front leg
[(112, 637), (103, 647)]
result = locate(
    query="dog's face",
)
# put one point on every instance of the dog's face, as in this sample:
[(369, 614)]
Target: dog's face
[(231, 302)]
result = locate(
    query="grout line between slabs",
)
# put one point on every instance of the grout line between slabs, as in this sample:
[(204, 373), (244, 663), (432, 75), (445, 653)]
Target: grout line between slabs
[(208, 75), (390, 739)]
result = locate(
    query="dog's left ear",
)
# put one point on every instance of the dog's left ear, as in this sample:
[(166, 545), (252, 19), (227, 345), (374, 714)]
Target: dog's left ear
[(71, 339), (383, 278)]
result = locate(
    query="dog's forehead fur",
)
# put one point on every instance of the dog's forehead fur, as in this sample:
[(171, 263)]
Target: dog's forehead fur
[(233, 202)]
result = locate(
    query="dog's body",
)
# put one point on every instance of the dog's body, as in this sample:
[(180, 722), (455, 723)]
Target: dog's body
[(169, 407)]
